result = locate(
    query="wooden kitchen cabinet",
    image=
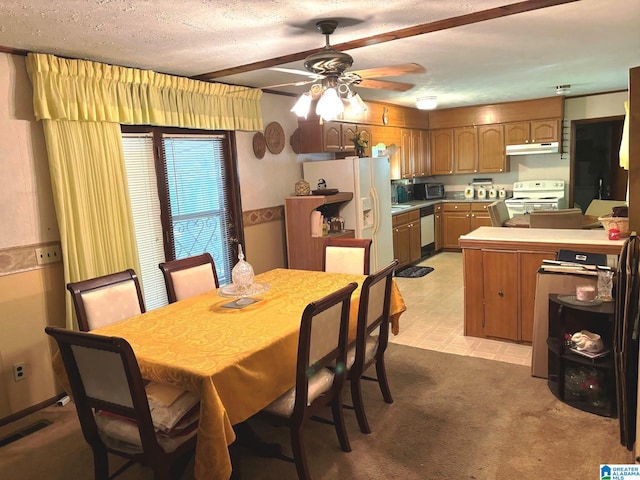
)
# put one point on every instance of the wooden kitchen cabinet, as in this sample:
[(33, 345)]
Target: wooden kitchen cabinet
[(414, 153), (406, 237), (491, 150), (327, 137), (500, 288), (465, 150), (437, 221), (304, 251), (391, 138), (441, 151), (460, 218), (535, 131)]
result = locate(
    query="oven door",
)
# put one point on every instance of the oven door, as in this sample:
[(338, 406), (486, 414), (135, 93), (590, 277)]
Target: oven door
[(515, 207)]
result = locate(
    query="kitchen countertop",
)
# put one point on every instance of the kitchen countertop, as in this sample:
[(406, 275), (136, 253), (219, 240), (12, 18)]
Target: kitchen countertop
[(397, 208), (574, 239)]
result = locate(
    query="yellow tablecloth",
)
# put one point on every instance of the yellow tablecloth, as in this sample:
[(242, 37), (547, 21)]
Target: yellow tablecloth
[(237, 360)]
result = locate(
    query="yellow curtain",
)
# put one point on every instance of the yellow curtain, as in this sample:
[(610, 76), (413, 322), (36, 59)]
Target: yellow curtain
[(82, 105), (624, 144), (67, 89)]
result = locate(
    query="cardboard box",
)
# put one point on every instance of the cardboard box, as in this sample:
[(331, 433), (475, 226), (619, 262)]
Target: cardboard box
[(548, 283)]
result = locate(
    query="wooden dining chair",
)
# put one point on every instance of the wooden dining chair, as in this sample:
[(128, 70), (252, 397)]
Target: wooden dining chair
[(564, 218), (322, 343), (107, 299), (121, 415), (368, 349), (187, 277), (347, 255), (498, 212)]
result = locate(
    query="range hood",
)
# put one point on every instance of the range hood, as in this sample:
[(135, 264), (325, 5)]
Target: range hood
[(533, 148)]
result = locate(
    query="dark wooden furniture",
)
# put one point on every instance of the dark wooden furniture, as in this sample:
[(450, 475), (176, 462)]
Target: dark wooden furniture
[(322, 343), (584, 383), (347, 255), (373, 314), (104, 377), (189, 276), (103, 300)]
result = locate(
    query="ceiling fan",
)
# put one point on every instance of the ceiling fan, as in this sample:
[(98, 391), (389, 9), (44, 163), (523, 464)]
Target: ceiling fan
[(330, 67)]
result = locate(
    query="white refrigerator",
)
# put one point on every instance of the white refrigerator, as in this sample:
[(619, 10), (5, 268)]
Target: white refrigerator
[(369, 213)]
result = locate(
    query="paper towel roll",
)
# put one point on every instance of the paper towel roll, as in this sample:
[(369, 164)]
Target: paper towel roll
[(316, 224)]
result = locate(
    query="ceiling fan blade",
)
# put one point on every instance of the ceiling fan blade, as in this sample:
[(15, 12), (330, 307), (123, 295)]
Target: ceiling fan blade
[(385, 85), (391, 71), (292, 84), (296, 72)]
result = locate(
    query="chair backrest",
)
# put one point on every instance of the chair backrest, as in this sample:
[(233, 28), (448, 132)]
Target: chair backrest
[(373, 312), (598, 208), (107, 299), (498, 212), (187, 277), (322, 342), (104, 376), (347, 255), (564, 218)]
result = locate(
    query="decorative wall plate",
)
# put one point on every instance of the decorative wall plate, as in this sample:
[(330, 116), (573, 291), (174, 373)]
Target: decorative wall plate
[(294, 141), (259, 145), (274, 136)]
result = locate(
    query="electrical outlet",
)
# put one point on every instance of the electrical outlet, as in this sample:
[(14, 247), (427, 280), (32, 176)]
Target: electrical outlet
[(50, 254), (19, 372)]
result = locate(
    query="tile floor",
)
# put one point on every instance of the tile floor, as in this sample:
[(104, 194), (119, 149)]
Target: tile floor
[(434, 319)]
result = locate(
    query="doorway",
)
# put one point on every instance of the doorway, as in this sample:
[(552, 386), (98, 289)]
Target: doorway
[(595, 169)]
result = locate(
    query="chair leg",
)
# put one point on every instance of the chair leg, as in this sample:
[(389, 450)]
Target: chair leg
[(341, 427), (100, 464), (381, 372), (358, 405), (299, 454)]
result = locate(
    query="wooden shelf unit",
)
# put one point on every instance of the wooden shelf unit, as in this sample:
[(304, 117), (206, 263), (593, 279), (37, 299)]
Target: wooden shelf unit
[(304, 252)]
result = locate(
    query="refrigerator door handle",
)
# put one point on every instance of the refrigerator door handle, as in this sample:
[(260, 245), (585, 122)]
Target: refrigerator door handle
[(376, 211)]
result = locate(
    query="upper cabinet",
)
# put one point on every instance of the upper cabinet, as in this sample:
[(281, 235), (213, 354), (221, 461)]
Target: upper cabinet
[(414, 145), (491, 151), (537, 131), (326, 137), (441, 151), (465, 149)]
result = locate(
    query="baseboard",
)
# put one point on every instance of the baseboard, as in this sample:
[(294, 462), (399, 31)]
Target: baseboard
[(28, 411)]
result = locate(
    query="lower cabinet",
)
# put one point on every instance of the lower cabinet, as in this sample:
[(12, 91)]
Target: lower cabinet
[(437, 225), (460, 218), (406, 237), (500, 290)]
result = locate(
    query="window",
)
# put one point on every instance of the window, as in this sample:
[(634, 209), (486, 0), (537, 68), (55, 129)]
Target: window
[(185, 200)]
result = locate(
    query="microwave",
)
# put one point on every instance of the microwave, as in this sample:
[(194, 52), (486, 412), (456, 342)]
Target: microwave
[(428, 191)]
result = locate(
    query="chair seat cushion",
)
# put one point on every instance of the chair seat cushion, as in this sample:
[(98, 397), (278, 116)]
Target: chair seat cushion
[(370, 349), (318, 384), (175, 413)]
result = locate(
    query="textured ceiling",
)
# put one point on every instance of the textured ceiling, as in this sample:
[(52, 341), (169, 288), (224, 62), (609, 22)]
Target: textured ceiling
[(589, 44)]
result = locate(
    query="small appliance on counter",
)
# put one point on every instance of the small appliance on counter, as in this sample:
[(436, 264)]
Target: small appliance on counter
[(428, 191)]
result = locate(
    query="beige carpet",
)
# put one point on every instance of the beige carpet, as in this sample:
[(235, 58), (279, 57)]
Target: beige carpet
[(454, 417)]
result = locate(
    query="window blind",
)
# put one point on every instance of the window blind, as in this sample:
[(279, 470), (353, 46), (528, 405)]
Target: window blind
[(197, 184), (145, 206)]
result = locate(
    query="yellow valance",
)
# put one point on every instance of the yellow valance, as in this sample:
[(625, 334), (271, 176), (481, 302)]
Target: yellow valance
[(80, 90)]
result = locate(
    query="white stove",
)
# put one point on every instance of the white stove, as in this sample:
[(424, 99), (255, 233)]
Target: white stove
[(536, 195)]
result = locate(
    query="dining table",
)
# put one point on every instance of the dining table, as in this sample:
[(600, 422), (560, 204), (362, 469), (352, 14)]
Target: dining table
[(238, 359), (522, 221)]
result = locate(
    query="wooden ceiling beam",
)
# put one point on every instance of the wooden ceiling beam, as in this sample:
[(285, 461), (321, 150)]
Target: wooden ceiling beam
[(444, 24)]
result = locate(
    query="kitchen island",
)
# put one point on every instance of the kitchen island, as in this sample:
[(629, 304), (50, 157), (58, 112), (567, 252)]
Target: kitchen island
[(500, 267)]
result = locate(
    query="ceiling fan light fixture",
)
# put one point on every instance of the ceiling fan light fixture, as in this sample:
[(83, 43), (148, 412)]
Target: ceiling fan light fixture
[(427, 103), (358, 106), (330, 105), (302, 106)]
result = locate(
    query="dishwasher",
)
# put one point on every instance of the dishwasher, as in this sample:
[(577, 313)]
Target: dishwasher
[(427, 231)]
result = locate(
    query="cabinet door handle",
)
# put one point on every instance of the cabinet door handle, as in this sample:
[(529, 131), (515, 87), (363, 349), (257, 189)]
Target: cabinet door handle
[(500, 293)]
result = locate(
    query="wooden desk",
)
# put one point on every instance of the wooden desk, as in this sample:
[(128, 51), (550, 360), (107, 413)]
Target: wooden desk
[(522, 221), (237, 360)]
